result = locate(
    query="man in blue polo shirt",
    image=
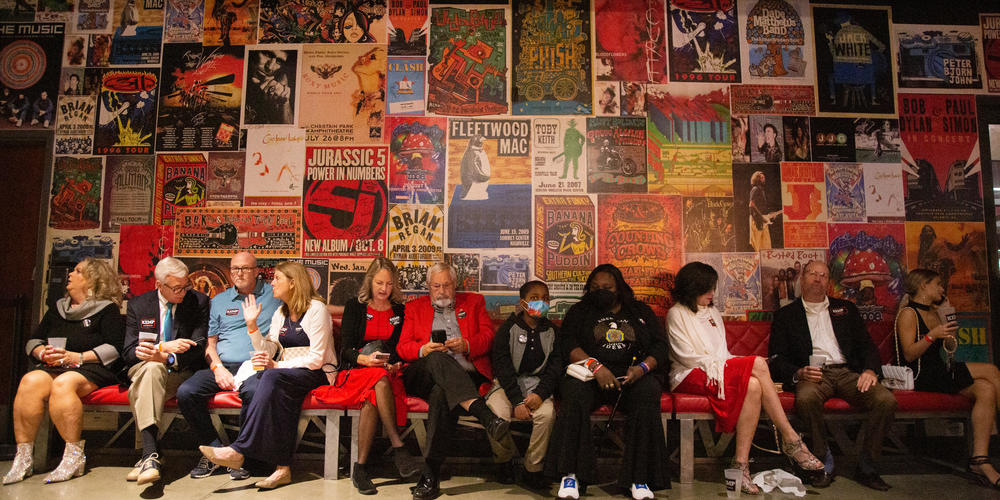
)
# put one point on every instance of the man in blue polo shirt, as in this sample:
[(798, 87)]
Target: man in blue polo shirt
[(228, 347)]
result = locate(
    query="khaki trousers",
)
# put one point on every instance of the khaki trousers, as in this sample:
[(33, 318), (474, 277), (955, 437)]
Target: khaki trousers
[(542, 421), (152, 385)]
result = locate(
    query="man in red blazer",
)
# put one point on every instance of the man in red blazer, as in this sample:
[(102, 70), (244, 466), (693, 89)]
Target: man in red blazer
[(446, 340)]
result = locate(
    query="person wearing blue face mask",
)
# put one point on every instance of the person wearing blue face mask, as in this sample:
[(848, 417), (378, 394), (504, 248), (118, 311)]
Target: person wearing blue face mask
[(526, 370)]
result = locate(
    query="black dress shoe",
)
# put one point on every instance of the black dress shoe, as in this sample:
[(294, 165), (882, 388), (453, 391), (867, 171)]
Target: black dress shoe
[(536, 480), (498, 428), (506, 473), (821, 479), (407, 465), (872, 480), (427, 488), (361, 481)]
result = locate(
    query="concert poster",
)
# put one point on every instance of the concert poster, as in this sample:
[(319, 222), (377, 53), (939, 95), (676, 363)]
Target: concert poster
[(319, 273), (609, 98), (407, 26), (616, 155), (224, 179), (502, 272), (66, 252), (30, 54), (641, 234), (688, 141), (773, 100), (489, 183), (740, 127), (854, 54), (222, 232), (781, 273), (180, 183), (128, 191), (468, 61), (417, 155), (761, 183), (74, 51), (500, 307), (941, 157), (202, 89), (767, 143), (466, 266), (183, 21), (345, 279), (142, 246), (54, 11), (632, 47), (126, 111), (138, 34), (739, 284), (938, 58), (565, 245), (797, 138), (210, 275), (416, 233), (845, 192), (867, 267), (18, 11), (803, 200), (274, 167), (884, 192), (704, 41), (876, 140), (405, 85), (230, 22), (92, 16), (832, 139), (776, 45), (551, 60), (990, 24), (709, 224), (76, 193), (271, 89), (956, 250), (345, 201), (75, 125), (343, 76), (413, 278), (98, 51), (714, 260), (322, 21), (558, 149)]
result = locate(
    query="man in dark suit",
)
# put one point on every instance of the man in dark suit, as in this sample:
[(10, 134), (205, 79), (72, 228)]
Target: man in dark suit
[(165, 332), (821, 326), (447, 373)]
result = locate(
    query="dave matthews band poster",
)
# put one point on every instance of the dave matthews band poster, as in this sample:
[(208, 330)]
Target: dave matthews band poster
[(777, 47)]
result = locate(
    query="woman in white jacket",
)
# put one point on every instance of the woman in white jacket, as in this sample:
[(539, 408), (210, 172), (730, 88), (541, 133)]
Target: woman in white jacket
[(736, 386), (303, 331)]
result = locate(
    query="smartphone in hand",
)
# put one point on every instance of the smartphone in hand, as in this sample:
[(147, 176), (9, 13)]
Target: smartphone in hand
[(382, 356), (438, 336)]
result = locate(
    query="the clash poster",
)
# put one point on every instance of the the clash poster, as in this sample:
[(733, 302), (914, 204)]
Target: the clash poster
[(416, 233), (565, 230), (845, 192), (781, 272), (183, 21), (269, 96), (757, 207), (944, 58), (406, 78), (126, 111), (876, 140), (884, 192), (956, 250), (739, 284), (630, 41), (773, 100), (709, 224), (641, 234), (30, 54), (704, 41), (468, 61), (222, 232), (230, 22), (142, 246), (322, 21), (76, 193), (139, 32), (180, 183), (92, 16), (224, 179), (504, 272), (803, 200), (832, 139), (349, 78), (346, 277), (345, 201), (551, 58), (466, 266), (688, 139), (941, 157), (274, 167), (776, 45), (408, 25), (75, 125), (417, 156), (616, 155), (201, 93), (489, 193), (558, 151), (209, 276), (990, 24), (854, 61), (128, 191)]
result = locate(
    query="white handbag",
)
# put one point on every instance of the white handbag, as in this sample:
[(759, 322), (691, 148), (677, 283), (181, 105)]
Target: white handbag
[(579, 371), (896, 376)]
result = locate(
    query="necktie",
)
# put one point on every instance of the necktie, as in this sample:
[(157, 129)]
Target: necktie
[(168, 324)]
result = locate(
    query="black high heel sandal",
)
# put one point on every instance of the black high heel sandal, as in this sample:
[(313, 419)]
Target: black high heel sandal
[(980, 477)]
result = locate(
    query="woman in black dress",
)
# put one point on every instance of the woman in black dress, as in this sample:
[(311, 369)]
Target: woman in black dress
[(921, 335), (89, 326)]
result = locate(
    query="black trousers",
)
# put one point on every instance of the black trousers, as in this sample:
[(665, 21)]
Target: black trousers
[(193, 396), (438, 379)]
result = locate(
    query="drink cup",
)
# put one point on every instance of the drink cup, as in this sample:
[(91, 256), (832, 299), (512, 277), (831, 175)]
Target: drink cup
[(734, 480), (817, 360), (257, 367), (57, 342), (149, 337), (947, 313)]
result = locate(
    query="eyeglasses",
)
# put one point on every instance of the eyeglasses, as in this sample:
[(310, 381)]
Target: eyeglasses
[(244, 269), (179, 289)]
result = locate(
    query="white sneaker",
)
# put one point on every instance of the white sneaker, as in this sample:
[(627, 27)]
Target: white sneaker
[(640, 491), (568, 487)]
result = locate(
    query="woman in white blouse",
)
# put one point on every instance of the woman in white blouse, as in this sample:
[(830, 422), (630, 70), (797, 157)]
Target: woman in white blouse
[(736, 386), (302, 329)]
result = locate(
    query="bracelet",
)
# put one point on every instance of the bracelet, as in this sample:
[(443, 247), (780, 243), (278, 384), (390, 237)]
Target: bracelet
[(645, 367), (590, 362), (216, 366), (255, 330), (159, 347), (929, 339), (595, 370)]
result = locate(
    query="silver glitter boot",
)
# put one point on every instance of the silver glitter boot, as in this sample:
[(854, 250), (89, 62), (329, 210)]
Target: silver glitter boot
[(73, 464), (23, 465)]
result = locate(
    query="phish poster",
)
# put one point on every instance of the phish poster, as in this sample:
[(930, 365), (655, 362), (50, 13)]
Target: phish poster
[(76, 193), (630, 40), (417, 155), (564, 238), (29, 72), (704, 41), (408, 25), (990, 24), (200, 103), (126, 111), (468, 61), (552, 58), (344, 202), (941, 157), (941, 58), (349, 78), (616, 152), (776, 44)]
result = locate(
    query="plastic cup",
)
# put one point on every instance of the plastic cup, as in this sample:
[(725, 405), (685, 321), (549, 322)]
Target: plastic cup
[(257, 367), (734, 480), (816, 360), (947, 313), (149, 337), (57, 342)]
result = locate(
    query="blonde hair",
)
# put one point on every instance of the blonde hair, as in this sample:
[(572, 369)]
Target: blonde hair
[(302, 293), (103, 280), (916, 278), (378, 264)]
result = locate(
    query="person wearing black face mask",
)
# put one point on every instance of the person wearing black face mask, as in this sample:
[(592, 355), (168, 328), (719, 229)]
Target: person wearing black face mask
[(620, 340)]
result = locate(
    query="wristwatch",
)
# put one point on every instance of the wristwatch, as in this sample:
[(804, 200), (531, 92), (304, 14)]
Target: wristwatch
[(172, 360)]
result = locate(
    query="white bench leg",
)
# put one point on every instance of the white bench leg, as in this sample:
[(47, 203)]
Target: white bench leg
[(331, 453), (687, 451)]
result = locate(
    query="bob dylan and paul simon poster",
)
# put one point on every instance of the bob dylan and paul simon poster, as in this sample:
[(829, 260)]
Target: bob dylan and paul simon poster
[(552, 59), (407, 26), (468, 61)]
